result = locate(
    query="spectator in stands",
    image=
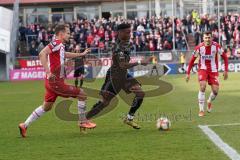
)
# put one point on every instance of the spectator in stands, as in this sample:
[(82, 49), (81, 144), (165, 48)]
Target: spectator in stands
[(237, 53), (33, 49), (179, 41), (90, 39), (151, 46), (43, 36), (154, 33), (167, 45), (22, 32)]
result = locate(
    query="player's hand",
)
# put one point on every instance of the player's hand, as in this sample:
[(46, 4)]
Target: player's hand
[(88, 50), (225, 75), (187, 77), (51, 77)]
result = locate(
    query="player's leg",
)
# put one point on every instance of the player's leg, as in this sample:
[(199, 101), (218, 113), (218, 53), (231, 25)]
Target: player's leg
[(202, 77), (151, 71), (76, 75), (49, 99), (76, 82), (37, 113), (81, 75), (212, 97), (65, 90), (107, 93), (214, 82), (133, 86), (182, 67), (100, 105), (201, 97), (139, 95), (156, 69), (137, 102), (84, 123), (81, 104), (81, 80)]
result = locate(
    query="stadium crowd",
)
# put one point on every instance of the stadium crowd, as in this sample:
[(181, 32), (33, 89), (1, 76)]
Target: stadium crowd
[(153, 34), (229, 32), (147, 34)]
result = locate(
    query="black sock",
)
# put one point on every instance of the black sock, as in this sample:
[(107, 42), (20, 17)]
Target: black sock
[(135, 105), (76, 82), (81, 83), (96, 109)]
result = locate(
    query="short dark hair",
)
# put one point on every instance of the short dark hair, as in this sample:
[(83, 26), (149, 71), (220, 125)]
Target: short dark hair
[(123, 26), (207, 33), (60, 28)]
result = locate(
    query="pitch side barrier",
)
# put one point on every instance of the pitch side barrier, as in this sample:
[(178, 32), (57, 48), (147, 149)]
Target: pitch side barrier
[(30, 68)]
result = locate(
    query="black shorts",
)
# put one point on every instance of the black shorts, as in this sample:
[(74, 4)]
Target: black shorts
[(78, 72), (114, 86)]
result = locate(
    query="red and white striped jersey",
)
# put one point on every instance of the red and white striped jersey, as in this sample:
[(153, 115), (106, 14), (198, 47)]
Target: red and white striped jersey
[(56, 58), (208, 56)]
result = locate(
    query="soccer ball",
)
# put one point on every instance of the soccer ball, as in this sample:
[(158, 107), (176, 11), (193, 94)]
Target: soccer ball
[(163, 124)]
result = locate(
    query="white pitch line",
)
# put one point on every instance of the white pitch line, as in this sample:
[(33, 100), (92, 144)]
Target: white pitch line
[(229, 124), (229, 151)]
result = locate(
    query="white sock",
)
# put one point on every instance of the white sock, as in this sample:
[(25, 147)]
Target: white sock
[(38, 112), (82, 111), (212, 97), (201, 100), (130, 117)]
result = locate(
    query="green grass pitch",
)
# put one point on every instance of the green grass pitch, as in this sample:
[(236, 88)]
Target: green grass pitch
[(51, 138)]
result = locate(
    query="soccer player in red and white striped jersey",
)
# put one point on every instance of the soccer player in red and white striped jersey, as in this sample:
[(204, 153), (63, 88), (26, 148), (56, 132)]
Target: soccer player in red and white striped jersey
[(52, 58), (207, 52)]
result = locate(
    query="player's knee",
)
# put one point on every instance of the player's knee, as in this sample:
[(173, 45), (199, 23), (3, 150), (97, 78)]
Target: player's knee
[(105, 103), (203, 88), (215, 93), (138, 91), (107, 96), (140, 94), (82, 96), (47, 107)]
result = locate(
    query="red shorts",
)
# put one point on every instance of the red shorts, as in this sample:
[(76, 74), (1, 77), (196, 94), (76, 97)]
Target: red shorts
[(53, 90), (210, 77)]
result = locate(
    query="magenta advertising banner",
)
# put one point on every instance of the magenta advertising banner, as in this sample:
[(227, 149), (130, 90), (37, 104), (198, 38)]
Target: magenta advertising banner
[(32, 70), (31, 74)]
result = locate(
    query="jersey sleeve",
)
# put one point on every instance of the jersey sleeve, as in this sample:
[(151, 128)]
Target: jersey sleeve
[(196, 52), (54, 46), (51, 45)]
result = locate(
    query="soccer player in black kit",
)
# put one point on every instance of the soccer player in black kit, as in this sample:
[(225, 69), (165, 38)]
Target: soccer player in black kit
[(117, 77), (78, 68)]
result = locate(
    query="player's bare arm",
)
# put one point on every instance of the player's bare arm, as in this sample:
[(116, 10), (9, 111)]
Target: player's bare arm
[(225, 59), (43, 56), (75, 55), (191, 63), (225, 75), (223, 55)]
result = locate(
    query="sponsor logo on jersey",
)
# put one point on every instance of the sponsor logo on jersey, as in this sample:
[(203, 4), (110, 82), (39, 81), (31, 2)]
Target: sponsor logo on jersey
[(207, 57)]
